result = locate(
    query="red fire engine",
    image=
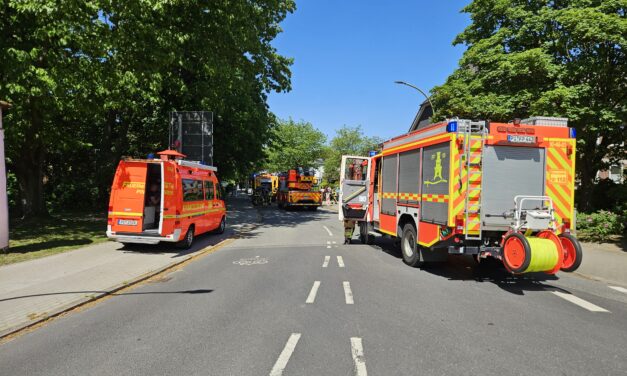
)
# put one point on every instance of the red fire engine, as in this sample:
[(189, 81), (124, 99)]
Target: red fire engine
[(297, 188), (471, 187)]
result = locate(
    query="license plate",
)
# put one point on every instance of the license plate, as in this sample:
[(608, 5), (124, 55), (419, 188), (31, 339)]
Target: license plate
[(127, 222), (521, 139)]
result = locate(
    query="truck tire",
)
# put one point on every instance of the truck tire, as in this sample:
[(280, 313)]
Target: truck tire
[(188, 240), (409, 246), (572, 253), (364, 236)]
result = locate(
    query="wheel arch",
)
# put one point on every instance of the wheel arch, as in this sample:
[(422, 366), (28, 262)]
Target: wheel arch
[(402, 221)]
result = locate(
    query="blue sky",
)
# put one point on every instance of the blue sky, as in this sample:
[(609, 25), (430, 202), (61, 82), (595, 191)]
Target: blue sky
[(348, 53)]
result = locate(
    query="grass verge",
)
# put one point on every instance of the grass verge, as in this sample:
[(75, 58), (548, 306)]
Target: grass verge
[(40, 237)]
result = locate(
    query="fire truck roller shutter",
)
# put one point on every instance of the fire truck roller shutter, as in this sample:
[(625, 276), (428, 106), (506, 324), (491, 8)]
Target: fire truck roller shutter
[(435, 183), (389, 180), (409, 177), (509, 171)]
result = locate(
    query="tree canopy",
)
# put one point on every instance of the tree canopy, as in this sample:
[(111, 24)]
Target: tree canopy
[(93, 80), (347, 141), (562, 58), (294, 144)]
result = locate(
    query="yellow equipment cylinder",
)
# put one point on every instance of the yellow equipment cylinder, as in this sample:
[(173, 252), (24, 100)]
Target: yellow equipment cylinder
[(544, 256)]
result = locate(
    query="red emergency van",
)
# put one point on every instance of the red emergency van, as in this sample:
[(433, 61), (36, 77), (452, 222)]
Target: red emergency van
[(164, 200)]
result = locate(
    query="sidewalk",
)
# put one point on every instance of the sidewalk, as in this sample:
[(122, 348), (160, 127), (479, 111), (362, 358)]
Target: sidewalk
[(605, 262), (34, 290)]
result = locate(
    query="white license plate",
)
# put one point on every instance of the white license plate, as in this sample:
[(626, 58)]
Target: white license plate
[(521, 139), (127, 222)]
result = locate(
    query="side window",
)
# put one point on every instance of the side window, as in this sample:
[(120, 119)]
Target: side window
[(192, 190), (218, 191), (209, 191)]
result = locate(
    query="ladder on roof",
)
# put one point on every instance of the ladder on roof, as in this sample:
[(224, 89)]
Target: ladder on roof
[(475, 134)]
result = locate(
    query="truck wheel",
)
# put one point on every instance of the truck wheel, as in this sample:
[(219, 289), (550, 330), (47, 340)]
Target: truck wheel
[(572, 252), (186, 243), (222, 227), (409, 246), (364, 236)]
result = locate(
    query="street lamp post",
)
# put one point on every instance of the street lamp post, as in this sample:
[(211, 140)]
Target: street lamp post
[(420, 91)]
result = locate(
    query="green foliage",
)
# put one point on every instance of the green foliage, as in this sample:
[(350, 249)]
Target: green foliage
[(94, 80), (607, 195), (294, 144), (548, 58), (600, 226), (347, 141)]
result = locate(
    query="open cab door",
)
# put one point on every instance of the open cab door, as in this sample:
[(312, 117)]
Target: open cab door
[(354, 184)]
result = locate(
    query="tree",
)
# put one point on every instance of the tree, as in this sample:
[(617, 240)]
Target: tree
[(94, 80), (294, 144), (562, 58), (347, 141)]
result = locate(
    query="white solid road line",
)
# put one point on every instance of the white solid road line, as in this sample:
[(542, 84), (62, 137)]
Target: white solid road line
[(618, 288), (340, 261), (313, 292), (281, 363), (580, 302), (326, 261), (329, 231), (358, 357), (348, 294)]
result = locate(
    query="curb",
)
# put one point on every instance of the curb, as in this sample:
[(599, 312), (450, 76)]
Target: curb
[(17, 330)]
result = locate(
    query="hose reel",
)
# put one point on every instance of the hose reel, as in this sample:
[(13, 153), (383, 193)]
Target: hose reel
[(540, 253)]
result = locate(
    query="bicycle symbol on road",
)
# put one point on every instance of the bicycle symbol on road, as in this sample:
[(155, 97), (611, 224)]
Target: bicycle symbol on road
[(251, 261)]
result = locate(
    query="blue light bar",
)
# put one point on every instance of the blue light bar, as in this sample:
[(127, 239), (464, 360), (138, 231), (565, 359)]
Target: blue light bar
[(451, 127), (372, 153), (572, 132)]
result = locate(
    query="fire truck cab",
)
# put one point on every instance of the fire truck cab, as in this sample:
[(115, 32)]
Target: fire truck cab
[(164, 200), (502, 190)]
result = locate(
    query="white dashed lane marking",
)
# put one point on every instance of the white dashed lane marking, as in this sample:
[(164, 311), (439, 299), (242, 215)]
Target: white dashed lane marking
[(580, 302), (328, 231), (619, 289), (326, 261), (348, 294), (285, 356), (357, 351), (312, 294), (340, 261)]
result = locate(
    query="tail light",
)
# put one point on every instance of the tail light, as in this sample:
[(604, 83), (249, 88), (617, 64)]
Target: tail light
[(459, 224), (177, 222), (109, 216), (566, 226), (110, 221)]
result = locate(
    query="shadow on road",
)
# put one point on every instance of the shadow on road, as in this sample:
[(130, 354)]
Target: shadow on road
[(465, 268)]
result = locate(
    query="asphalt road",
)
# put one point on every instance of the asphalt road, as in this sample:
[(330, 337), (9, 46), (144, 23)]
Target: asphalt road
[(273, 303)]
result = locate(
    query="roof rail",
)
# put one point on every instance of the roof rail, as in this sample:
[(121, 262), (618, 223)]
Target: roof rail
[(196, 165)]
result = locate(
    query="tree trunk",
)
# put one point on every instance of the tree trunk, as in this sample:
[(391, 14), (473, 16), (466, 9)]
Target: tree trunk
[(29, 168)]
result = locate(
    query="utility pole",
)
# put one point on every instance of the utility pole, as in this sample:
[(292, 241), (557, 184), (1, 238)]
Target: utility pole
[(4, 202)]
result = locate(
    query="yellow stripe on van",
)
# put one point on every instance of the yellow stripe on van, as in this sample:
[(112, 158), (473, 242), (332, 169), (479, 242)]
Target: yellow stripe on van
[(125, 214)]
